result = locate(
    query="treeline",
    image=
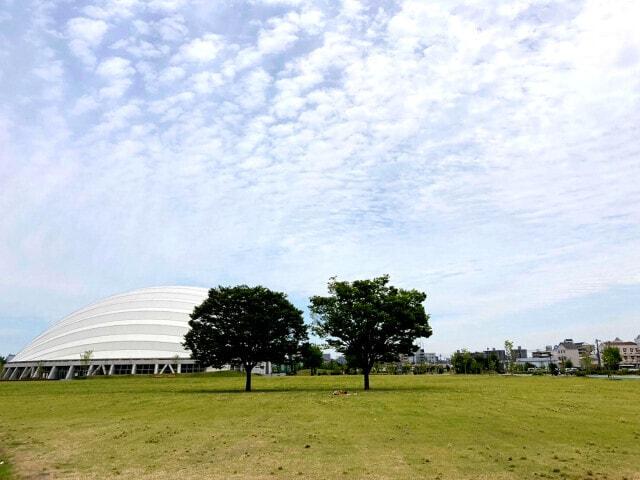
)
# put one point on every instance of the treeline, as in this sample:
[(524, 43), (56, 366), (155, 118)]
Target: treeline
[(335, 368), (467, 363)]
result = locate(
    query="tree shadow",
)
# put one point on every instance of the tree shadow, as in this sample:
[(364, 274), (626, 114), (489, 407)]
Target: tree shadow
[(315, 389)]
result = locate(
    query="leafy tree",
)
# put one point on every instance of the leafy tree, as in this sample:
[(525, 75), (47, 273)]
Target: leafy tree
[(586, 362), (85, 360), (244, 326), (370, 321), (509, 355), (553, 368), (311, 357), (462, 362), (611, 358), (3, 360), (568, 363), (493, 363)]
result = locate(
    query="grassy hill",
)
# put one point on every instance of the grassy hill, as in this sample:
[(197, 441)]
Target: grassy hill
[(435, 427)]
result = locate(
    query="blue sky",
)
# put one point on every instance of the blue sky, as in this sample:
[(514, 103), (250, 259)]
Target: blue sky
[(484, 152)]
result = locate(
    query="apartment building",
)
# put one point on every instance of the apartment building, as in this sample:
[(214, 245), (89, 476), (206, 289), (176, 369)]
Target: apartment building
[(570, 351), (629, 351)]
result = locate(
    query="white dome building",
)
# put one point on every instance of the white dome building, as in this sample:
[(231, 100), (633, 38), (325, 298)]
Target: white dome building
[(139, 332)]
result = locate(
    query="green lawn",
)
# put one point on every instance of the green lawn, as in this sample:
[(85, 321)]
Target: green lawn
[(413, 427)]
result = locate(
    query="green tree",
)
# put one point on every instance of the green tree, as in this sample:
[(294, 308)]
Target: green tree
[(370, 321), (244, 326), (3, 360), (85, 360), (311, 357), (493, 362), (509, 355), (586, 361), (462, 362), (553, 368), (568, 363), (611, 358)]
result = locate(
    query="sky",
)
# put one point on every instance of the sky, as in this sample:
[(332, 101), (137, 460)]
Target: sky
[(485, 152)]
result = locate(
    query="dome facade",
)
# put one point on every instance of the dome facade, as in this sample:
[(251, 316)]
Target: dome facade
[(145, 323)]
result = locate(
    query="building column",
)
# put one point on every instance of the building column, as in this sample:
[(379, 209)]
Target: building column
[(52, 373), (133, 369), (155, 369), (6, 373), (25, 373), (89, 370), (112, 369), (14, 374), (179, 370), (69, 373)]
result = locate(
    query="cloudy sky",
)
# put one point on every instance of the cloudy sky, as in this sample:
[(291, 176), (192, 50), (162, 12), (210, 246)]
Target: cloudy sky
[(485, 152)]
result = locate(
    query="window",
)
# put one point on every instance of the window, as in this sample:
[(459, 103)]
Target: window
[(191, 368), (122, 369), (145, 369)]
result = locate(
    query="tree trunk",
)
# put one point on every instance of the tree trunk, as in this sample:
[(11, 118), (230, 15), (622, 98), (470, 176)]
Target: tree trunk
[(366, 379), (247, 386)]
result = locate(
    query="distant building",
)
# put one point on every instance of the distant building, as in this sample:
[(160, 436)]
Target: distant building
[(326, 357), (629, 351), (547, 353), (501, 354), (420, 356), (537, 362), (568, 350)]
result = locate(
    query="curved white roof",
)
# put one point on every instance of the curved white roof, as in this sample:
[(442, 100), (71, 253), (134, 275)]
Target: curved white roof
[(145, 323)]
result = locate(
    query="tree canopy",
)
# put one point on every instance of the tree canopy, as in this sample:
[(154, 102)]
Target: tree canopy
[(311, 356), (370, 321), (611, 357), (244, 326)]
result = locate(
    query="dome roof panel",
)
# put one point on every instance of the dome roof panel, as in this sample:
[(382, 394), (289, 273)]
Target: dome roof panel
[(145, 323)]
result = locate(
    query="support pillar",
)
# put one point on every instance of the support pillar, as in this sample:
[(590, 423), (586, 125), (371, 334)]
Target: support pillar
[(89, 370), (25, 373), (133, 369), (179, 368), (112, 369), (155, 369), (69, 373), (52, 373), (6, 373), (14, 374)]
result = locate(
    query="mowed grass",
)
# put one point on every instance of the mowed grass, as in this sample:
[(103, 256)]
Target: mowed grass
[(413, 427)]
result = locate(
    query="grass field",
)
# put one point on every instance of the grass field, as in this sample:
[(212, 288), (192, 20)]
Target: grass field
[(433, 427)]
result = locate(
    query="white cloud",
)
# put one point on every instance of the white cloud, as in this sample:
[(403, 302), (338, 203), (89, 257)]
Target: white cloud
[(201, 50), (172, 74), (115, 67), (84, 35), (85, 104), (171, 28), (206, 82), (117, 71), (491, 152)]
